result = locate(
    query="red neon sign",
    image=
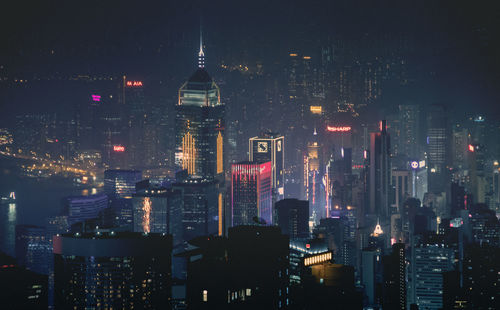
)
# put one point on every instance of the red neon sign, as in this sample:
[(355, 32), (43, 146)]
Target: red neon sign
[(471, 148), (338, 128), (134, 83), (118, 148)]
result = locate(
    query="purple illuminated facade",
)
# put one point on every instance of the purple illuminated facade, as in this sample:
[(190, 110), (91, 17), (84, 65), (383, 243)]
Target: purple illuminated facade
[(251, 193)]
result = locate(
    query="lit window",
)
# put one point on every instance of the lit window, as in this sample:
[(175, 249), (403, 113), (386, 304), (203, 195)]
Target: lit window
[(205, 295)]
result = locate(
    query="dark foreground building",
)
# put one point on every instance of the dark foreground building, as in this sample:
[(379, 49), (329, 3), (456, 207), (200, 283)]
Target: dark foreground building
[(248, 270), (112, 271)]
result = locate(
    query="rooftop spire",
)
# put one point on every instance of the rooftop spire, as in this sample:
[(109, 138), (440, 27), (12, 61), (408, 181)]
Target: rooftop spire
[(201, 54)]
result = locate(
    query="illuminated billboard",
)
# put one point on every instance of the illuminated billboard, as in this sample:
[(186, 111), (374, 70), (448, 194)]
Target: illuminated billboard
[(134, 84), (318, 258), (414, 164), (118, 148), (338, 128), (316, 109)]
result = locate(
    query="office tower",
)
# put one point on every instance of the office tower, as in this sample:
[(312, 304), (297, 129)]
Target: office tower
[(247, 270), (312, 178), (430, 261), (299, 249), (293, 217), (438, 150), (380, 172), (394, 296), (138, 116), (21, 288), (336, 233), (477, 180), (409, 135), (33, 248), (484, 225), (113, 137), (202, 211), (458, 198), (251, 193), (82, 208), (122, 212), (403, 184), (339, 181), (459, 146), (326, 284), (481, 275), (158, 210), (371, 275), (199, 123), (112, 270), (121, 183), (271, 147)]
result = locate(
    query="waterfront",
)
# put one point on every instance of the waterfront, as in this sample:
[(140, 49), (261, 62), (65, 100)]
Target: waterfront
[(36, 200)]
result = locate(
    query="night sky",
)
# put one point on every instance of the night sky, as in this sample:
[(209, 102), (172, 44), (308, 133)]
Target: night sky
[(453, 43)]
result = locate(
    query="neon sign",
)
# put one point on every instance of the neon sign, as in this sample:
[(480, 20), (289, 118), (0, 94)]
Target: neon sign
[(338, 128), (96, 98), (471, 148), (134, 83), (414, 164), (118, 148)]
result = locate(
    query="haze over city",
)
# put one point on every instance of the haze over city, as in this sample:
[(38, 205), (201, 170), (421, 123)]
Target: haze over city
[(234, 155)]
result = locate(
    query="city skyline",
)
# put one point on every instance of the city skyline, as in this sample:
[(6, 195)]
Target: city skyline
[(281, 155)]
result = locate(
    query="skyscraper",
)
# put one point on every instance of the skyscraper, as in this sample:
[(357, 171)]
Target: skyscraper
[(82, 208), (121, 183), (251, 192), (271, 147), (202, 207), (293, 217), (112, 270), (409, 122), (438, 150), (199, 123), (380, 172), (158, 210), (32, 248)]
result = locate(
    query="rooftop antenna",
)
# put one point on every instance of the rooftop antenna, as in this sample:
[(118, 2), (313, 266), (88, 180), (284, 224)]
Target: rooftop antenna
[(201, 54)]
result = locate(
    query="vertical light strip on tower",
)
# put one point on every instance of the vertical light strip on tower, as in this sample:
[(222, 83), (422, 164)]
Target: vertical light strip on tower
[(188, 153), (221, 217), (220, 161)]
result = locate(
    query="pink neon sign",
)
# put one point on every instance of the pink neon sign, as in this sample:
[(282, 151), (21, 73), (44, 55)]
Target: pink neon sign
[(96, 98), (118, 148), (134, 83), (338, 128)]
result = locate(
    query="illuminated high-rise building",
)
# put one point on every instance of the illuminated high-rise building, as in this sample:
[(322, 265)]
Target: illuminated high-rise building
[(112, 270), (438, 149), (158, 210), (81, 208), (251, 193), (312, 177), (271, 147), (32, 248), (121, 183), (199, 123)]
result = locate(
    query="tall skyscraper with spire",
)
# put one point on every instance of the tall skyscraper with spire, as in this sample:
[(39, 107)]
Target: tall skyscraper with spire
[(199, 153), (200, 125)]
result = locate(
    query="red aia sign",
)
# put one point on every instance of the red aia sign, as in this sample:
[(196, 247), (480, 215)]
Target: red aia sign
[(118, 148), (338, 128), (134, 83)]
